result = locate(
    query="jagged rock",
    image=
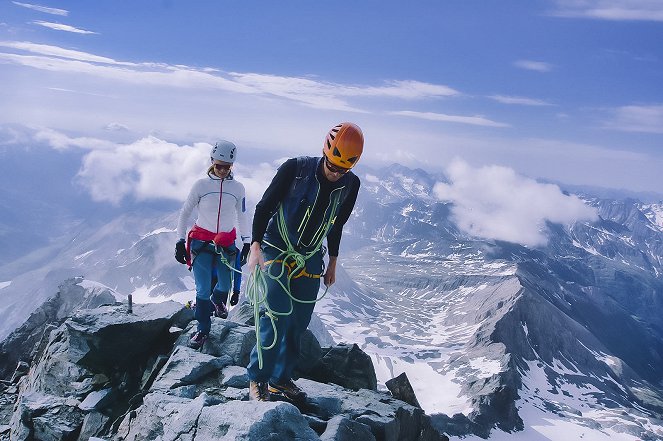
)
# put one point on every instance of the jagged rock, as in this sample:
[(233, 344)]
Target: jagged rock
[(151, 373), (347, 366), (110, 336), (341, 428), (195, 395), (401, 389), (96, 399), (93, 424), (226, 338), (73, 294), (187, 366), (387, 417), (235, 376), (79, 360), (21, 369), (163, 417), (45, 418), (174, 418), (252, 420)]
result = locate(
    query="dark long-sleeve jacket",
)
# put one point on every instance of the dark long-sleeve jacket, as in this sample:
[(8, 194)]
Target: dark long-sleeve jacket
[(278, 190)]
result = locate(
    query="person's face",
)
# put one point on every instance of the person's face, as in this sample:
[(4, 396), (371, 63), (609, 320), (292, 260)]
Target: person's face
[(221, 169), (332, 172)]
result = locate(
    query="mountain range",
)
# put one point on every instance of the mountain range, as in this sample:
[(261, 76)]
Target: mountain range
[(497, 338)]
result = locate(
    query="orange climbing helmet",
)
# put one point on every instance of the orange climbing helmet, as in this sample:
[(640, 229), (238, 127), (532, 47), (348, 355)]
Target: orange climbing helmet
[(344, 144)]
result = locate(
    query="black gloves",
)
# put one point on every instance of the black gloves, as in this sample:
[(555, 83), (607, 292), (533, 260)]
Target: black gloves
[(234, 298), (180, 251), (244, 254)]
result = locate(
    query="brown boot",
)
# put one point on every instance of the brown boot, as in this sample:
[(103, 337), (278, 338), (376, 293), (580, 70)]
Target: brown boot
[(258, 391), (288, 390)]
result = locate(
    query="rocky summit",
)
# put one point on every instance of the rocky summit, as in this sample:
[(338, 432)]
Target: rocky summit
[(108, 373)]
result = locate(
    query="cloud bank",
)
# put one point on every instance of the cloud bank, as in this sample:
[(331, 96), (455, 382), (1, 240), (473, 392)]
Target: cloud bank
[(494, 202), (306, 91), (615, 10), (150, 168)]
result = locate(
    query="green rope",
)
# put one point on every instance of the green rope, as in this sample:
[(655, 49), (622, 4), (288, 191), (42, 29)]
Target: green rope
[(256, 287)]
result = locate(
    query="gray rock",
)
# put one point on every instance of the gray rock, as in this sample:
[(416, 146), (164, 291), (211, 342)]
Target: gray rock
[(93, 424), (341, 428), (45, 417), (254, 421), (347, 366), (163, 417), (401, 389), (226, 338), (71, 296), (186, 367), (108, 336), (96, 400), (235, 376)]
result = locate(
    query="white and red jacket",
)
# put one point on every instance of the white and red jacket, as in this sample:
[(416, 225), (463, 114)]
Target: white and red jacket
[(221, 205)]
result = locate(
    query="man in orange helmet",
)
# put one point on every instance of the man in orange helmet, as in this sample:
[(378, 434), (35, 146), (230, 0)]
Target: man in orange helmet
[(308, 200)]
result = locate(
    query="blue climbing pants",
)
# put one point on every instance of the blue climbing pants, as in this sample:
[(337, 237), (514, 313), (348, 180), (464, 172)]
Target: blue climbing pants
[(207, 264), (280, 361)]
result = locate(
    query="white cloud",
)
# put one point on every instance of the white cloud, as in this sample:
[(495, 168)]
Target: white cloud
[(149, 168), (494, 202), (62, 27), (60, 141), (404, 90), (116, 127), (45, 9), (255, 179), (538, 66), (472, 120), (646, 10), (647, 119), (306, 91), (518, 100), (55, 51)]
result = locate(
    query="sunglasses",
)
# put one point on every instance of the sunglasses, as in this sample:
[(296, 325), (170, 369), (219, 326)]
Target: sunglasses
[(222, 167), (336, 169)]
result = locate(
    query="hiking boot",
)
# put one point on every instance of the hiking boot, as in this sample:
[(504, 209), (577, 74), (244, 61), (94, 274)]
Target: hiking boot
[(288, 390), (258, 391), (220, 309), (198, 340)]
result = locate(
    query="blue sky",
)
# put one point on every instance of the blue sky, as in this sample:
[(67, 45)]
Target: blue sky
[(564, 90)]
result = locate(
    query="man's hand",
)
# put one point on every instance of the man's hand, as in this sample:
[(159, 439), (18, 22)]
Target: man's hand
[(256, 257), (330, 275), (180, 251)]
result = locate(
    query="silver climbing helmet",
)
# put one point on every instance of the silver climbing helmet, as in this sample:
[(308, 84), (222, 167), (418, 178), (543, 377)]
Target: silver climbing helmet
[(224, 151)]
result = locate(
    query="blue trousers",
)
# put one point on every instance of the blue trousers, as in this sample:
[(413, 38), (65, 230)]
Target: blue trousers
[(206, 264), (280, 361)]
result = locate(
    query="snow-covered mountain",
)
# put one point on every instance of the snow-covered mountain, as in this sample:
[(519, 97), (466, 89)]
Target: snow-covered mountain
[(493, 335)]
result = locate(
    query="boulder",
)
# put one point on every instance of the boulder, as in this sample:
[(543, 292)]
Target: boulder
[(401, 389), (347, 366)]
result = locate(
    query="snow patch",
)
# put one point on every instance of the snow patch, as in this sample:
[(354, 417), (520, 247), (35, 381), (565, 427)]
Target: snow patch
[(159, 231), (80, 256)]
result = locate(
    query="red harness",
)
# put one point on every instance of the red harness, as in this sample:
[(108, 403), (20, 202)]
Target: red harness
[(223, 239)]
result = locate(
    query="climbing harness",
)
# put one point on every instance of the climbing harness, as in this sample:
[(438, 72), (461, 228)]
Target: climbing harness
[(291, 261)]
